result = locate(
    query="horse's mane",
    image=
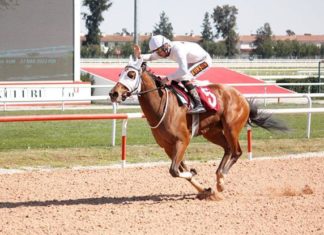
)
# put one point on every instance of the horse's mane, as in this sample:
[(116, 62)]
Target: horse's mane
[(156, 79)]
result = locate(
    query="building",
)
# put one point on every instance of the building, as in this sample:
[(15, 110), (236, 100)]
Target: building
[(245, 44), (115, 40)]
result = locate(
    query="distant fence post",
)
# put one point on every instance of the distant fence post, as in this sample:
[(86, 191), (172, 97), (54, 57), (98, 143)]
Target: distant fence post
[(319, 75)]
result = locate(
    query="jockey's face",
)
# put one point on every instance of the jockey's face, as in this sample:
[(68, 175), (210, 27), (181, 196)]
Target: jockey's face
[(163, 51)]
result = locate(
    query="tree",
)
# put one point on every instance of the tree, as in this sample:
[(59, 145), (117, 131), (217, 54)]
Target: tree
[(283, 49), (295, 48), (125, 32), (126, 49), (6, 4), (231, 43), (94, 19), (145, 46), (215, 49), (91, 51), (164, 27), (312, 50), (263, 42), (225, 22), (290, 32), (206, 34), (322, 50)]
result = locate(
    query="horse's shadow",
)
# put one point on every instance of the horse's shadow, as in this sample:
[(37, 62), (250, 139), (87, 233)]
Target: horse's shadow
[(149, 199)]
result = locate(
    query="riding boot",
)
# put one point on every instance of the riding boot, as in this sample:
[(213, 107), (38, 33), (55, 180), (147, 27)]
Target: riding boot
[(198, 107)]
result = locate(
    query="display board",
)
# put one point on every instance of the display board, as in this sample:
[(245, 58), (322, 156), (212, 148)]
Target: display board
[(37, 40)]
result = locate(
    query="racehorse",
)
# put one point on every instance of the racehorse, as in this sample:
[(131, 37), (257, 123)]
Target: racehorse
[(172, 126)]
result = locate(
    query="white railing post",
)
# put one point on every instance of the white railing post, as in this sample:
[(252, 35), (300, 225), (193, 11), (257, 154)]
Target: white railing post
[(62, 107), (309, 116), (265, 92)]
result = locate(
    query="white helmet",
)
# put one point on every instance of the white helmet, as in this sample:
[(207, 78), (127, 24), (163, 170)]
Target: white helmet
[(157, 41)]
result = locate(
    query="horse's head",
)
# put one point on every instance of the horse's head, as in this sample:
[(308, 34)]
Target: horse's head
[(129, 81)]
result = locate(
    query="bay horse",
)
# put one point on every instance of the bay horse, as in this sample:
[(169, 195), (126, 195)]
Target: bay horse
[(171, 126)]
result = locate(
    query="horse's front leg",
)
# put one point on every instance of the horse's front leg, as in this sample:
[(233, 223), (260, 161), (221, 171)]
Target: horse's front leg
[(203, 193), (179, 169), (176, 154), (183, 168)]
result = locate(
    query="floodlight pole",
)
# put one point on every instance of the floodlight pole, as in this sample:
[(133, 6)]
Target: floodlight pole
[(135, 22)]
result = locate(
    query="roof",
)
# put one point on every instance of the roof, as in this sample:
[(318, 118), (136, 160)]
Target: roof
[(306, 38), (302, 38), (122, 38), (129, 38), (187, 38)]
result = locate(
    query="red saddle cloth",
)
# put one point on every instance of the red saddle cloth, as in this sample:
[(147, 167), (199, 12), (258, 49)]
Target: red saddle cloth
[(208, 98)]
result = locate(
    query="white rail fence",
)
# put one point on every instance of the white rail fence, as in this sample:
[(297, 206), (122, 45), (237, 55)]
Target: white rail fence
[(76, 92), (5, 102), (233, 63), (308, 97)]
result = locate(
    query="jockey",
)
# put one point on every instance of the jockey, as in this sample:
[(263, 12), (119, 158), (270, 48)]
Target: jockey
[(192, 59)]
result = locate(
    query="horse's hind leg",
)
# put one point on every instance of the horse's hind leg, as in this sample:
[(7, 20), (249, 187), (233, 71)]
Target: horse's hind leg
[(232, 133), (233, 124), (235, 156), (216, 136)]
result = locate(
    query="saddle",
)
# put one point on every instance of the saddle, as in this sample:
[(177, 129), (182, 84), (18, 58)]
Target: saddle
[(208, 98)]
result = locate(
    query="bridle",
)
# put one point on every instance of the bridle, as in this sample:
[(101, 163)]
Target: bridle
[(136, 91)]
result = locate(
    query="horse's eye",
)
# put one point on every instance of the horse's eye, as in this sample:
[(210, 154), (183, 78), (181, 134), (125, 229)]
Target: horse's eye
[(131, 74)]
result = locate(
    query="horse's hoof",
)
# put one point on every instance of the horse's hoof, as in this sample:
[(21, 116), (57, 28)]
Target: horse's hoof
[(193, 172), (205, 194), (209, 194), (215, 196)]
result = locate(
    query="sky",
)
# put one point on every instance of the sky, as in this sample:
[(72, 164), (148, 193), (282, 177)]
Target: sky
[(187, 16)]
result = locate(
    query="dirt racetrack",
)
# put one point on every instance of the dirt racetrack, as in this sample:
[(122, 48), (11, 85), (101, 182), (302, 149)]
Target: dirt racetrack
[(282, 196)]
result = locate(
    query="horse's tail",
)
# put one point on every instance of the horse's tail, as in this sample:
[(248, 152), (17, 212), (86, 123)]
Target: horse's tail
[(264, 120)]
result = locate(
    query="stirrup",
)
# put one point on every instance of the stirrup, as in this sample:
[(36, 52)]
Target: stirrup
[(198, 109)]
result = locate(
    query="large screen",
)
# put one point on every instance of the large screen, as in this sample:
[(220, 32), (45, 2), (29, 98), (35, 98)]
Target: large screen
[(37, 40)]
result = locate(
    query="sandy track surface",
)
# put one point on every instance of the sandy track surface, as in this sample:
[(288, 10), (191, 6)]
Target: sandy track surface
[(261, 197)]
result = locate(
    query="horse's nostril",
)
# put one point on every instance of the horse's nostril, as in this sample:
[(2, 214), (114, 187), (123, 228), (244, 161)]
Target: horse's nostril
[(113, 94)]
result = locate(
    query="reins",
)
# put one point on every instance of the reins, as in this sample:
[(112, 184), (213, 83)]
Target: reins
[(164, 110), (148, 91), (165, 106)]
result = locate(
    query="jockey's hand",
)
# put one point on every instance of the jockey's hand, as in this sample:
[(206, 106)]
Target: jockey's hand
[(165, 81), (137, 51)]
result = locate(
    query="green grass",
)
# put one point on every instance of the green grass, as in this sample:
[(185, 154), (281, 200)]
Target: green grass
[(83, 134), (69, 157), (70, 143)]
